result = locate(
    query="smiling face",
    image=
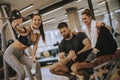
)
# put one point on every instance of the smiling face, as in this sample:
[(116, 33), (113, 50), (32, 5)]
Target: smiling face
[(36, 22), (86, 19)]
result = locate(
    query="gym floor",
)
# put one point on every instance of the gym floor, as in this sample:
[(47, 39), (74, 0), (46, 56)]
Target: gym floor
[(46, 75)]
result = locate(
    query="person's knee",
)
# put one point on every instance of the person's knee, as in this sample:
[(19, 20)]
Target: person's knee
[(52, 70), (76, 72), (74, 68)]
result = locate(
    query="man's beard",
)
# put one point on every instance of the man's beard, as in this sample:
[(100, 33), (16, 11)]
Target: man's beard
[(67, 36)]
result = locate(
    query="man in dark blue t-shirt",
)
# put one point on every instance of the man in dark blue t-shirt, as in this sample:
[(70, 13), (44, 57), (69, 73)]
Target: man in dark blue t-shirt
[(73, 48)]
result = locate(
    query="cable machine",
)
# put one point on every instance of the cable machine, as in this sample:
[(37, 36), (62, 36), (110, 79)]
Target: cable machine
[(3, 37)]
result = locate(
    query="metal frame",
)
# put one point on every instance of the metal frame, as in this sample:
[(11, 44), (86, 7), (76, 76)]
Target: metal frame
[(113, 63), (108, 62), (3, 36)]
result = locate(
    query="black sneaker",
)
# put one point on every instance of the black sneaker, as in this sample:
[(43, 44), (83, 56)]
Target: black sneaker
[(87, 77)]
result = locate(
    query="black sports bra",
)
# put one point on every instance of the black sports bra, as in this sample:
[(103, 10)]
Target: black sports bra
[(26, 40)]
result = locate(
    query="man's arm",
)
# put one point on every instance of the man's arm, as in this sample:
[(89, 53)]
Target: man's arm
[(87, 45), (61, 55), (64, 59)]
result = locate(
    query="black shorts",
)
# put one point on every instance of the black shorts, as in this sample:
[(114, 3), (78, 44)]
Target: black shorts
[(69, 64), (82, 56)]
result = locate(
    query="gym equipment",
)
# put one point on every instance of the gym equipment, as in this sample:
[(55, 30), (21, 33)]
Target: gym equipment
[(5, 25), (10, 17), (112, 61)]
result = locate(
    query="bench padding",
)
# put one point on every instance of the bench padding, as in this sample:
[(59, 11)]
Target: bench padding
[(100, 60)]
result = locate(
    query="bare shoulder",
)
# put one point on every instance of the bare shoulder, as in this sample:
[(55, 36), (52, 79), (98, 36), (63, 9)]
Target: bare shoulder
[(99, 23)]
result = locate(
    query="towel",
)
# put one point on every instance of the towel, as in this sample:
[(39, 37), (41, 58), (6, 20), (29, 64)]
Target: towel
[(92, 33)]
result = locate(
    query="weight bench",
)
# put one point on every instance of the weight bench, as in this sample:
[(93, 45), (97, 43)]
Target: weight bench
[(112, 61)]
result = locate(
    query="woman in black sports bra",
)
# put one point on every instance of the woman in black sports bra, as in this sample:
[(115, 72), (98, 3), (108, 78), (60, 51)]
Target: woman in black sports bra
[(29, 35)]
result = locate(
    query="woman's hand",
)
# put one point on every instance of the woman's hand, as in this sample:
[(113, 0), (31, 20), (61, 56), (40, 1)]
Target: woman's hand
[(95, 50)]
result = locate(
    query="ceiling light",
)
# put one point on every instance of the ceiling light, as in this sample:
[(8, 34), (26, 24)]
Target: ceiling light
[(101, 13), (102, 2), (52, 11), (50, 4), (65, 20), (118, 10), (36, 11), (26, 8), (26, 22), (78, 0), (49, 20), (80, 10), (96, 10), (65, 15)]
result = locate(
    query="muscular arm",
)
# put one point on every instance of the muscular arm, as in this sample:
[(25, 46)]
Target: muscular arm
[(61, 55), (87, 45), (71, 56), (61, 58)]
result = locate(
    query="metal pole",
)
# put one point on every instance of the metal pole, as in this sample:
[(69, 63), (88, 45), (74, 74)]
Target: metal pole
[(119, 2), (6, 77), (108, 10), (91, 7), (3, 35), (11, 17)]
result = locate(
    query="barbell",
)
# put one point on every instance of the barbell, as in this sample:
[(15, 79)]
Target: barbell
[(11, 17)]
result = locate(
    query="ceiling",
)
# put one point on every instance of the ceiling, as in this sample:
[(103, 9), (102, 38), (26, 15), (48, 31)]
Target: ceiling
[(48, 5)]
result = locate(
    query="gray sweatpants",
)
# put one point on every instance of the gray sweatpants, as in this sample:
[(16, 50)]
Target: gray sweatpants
[(16, 59)]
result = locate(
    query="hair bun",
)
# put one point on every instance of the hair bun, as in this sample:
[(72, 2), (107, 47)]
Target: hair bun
[(87, 10)]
